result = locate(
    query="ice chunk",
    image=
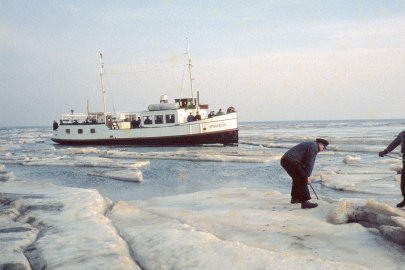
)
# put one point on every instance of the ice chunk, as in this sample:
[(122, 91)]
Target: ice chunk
[(134, 175), (394, 234), (350, 159), (80, 150), (340, 215), (384, 208), (388, 220), (6, 176), (400, 221), (15, 237), (83, 161)]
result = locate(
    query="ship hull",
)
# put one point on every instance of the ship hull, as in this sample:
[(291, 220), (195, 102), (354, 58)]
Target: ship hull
[(217, 130), (227, 137)]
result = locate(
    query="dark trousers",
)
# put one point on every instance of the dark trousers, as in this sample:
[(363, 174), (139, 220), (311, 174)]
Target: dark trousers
[(403, 178), (299, 177)]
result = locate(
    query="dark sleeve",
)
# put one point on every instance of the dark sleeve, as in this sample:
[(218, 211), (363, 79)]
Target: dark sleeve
[(309, 161), (394, 143)]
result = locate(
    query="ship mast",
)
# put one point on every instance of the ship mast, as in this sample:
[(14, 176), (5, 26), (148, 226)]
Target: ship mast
[(102, 86), (189, 71)]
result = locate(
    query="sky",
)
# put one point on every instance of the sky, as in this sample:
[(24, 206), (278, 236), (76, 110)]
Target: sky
[(271, 60)]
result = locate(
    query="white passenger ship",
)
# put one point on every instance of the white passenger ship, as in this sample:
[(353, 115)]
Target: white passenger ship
[(183, 122)]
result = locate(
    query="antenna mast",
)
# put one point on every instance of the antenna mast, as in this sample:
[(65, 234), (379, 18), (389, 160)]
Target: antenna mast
[(102, 86)]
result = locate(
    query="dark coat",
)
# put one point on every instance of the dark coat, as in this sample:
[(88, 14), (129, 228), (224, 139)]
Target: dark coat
[(400, 139), (304, 153)]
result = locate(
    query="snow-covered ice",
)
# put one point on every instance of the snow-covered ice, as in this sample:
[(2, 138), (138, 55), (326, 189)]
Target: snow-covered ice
[(58, 228), (44, 226)]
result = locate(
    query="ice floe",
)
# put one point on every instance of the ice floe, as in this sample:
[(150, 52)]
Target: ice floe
[(202, 155), (58, 228), (362, 183), (133, 175), (79, 150), (5, 175), (83, 161), (44, 226)]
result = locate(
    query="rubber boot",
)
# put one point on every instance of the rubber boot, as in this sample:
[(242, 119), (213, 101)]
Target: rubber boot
[(308, 204), (401, 204)]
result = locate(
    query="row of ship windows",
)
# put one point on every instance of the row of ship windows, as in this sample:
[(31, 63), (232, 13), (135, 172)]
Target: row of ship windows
[(80, 131), (158, 119), (146, 120)]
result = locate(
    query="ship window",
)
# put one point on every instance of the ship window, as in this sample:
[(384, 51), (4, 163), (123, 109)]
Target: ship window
[(169, 118), (80, 131), (158, 119), (93, 130), (68, 131), (147, 120)]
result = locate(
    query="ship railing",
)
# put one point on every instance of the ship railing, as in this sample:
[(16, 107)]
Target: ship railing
[(76, 118)]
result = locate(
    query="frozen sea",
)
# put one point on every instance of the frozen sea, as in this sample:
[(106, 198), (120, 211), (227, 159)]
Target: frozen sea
[(208, 207)]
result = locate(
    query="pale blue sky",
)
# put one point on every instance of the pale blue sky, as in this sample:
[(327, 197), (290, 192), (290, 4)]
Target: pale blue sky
[(272, 60)]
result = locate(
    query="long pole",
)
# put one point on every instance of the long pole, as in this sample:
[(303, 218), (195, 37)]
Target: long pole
[(314, 191), (403, 160)]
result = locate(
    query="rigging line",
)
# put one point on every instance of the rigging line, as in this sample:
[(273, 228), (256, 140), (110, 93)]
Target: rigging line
[(165, 64), (146, 61), (111, 94), (142, 71), (395, 157)]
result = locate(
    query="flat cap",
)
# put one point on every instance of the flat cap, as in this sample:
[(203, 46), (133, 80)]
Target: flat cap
[(322, 141)]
